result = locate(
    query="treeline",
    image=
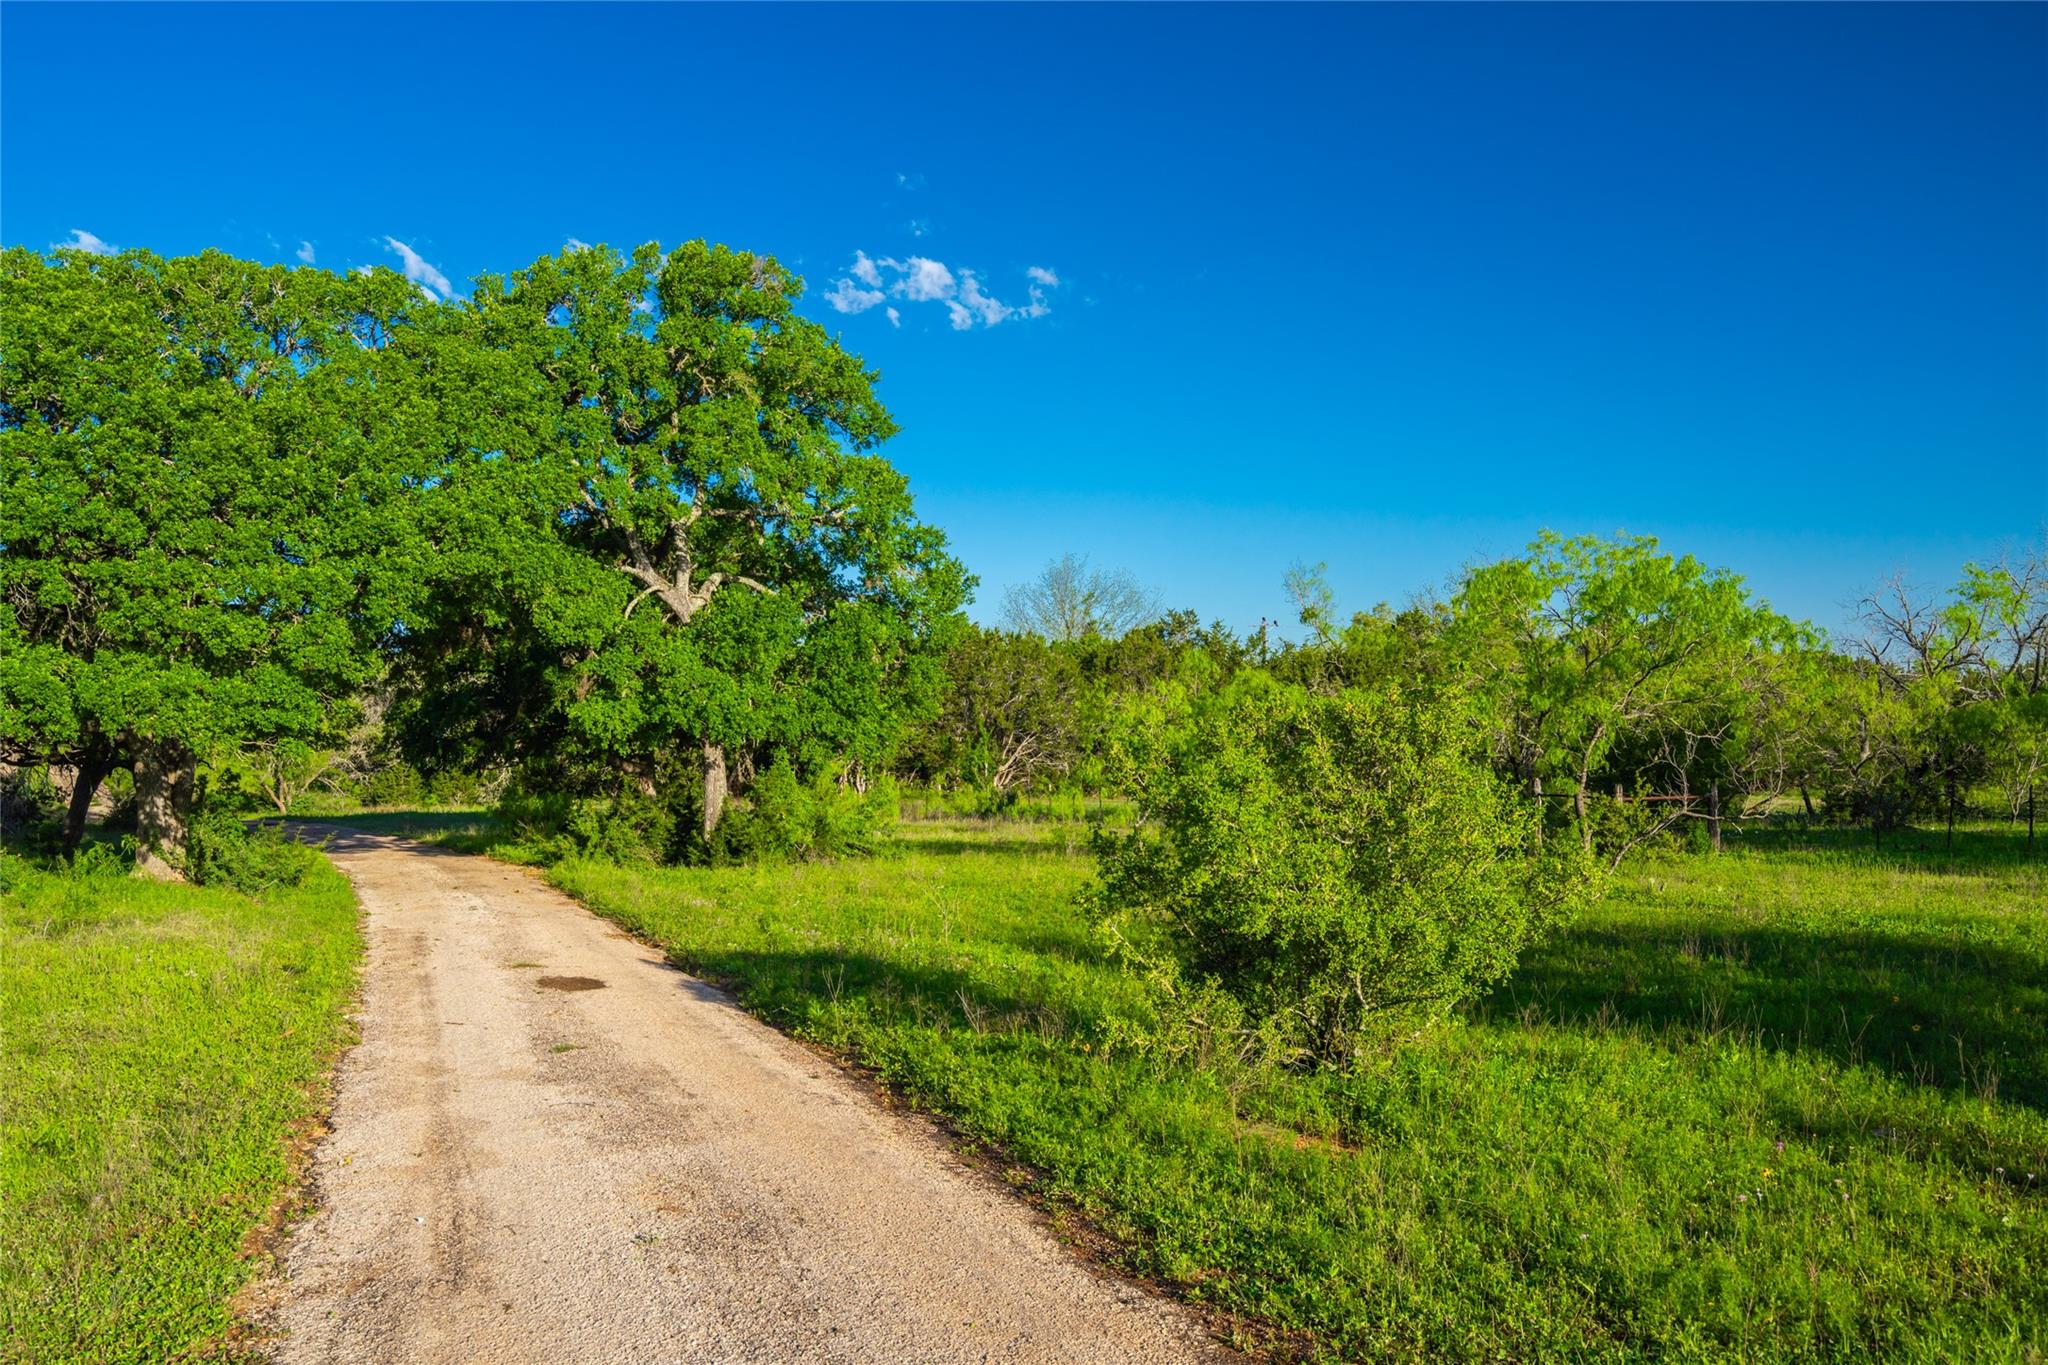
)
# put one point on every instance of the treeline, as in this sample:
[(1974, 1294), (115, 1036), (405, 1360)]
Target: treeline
[(1593, 669), (609, 544)]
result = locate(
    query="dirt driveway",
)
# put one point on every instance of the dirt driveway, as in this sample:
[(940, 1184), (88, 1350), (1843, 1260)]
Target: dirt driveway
[(552, 1146)]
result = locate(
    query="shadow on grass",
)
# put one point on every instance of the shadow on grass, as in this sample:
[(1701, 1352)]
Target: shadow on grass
[(1977, 848), (447, 831), (998, 843), (1960, 1015), (791, 988)]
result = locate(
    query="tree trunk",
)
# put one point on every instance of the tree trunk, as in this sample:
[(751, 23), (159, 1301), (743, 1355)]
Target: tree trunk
[(1714, 814), (165, 773), (1806, 799), (93, 768), (714, 786)]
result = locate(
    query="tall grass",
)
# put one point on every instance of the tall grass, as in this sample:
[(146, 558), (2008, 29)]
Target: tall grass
[(1780, 1104), (157, 1044)]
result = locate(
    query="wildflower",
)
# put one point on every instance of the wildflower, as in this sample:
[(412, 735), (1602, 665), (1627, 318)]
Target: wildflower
[(1767, 1173), (1781, 1146), (1895, 1000), (1916, 1028), (1742, 1199)]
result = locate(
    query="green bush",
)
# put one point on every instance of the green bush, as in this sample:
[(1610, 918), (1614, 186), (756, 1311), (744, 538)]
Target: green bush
[(225, 852), (1341, 865), (783, 818), (31, 811)]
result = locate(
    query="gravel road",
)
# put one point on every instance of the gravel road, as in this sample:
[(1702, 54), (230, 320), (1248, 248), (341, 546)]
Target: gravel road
[(552, 1146)]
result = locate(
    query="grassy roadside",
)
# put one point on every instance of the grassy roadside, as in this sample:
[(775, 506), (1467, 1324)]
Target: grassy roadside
[(1779, 1105), (157, 1044)]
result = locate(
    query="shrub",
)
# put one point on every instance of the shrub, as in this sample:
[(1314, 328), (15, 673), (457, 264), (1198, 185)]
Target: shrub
[(1341, 865), (783, 818), (31, 811), (222, 851)]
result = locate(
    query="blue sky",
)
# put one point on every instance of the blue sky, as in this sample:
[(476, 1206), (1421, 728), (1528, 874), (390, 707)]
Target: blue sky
[(1386, 287)]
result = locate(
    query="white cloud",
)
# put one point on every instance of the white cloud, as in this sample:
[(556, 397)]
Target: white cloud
[(363, 270), (305, 252), (924, 280), (873, 280), (920, 227), (421, 272), (910, 180), (991, 311), (575, 244), (848, 297), (81, 240)]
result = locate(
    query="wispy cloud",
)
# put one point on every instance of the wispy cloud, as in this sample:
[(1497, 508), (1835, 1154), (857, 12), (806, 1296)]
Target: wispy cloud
[(848, 297), (963, 292), (910, 180), (420, 271), (81, 240), (990, 310), (575, 244), (305, 252)]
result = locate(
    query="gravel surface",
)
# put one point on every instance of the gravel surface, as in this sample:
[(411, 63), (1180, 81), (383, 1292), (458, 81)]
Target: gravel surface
[(552, 1146)]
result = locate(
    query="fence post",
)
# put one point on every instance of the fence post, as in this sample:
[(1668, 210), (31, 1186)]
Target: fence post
[(1714, 814)]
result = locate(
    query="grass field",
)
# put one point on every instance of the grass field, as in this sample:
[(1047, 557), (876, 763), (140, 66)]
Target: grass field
[(157, 1043), (1790, 1103)]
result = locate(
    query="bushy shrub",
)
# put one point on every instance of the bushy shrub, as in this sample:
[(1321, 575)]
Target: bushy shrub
[(1342, 865), (785, 818), (31, 809), (222, 851)]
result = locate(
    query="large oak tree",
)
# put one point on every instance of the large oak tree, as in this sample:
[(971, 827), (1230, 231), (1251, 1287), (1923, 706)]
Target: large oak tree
[(663, 528), (200, 468)]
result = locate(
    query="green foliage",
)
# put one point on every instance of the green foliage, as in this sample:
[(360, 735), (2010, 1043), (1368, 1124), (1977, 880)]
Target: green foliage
[(1589, 649), (225, 852), (1783, 1104), (31, 810), (160, 1042), (785, 818), (666, 532), (1341, 864)]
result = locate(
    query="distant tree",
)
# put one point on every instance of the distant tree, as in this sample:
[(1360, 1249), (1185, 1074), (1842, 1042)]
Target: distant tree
[(1069, 601), (1961, 679), (1011, 713), (201, 538), (1586, 649)]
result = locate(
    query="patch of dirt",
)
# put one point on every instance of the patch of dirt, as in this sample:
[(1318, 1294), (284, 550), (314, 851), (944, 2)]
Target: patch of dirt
[(570, 983)]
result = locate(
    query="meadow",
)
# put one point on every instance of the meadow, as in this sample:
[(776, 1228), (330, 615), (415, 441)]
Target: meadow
[(163, 1048), (1786, 1103)]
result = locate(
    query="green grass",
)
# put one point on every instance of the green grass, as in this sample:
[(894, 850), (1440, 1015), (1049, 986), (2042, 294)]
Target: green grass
[(1790, 1103), (157, 1045)]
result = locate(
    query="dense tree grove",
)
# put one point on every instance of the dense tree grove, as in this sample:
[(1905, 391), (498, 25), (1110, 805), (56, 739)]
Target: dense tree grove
[(613, 524), (610, 543)]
